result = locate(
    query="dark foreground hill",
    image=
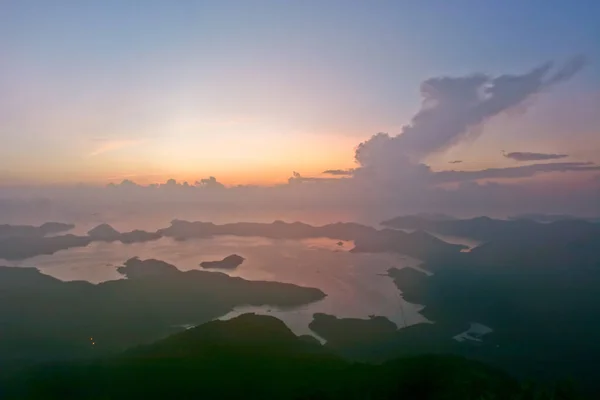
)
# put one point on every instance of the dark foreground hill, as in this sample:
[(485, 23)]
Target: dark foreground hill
[(259, 357), (535, 284)]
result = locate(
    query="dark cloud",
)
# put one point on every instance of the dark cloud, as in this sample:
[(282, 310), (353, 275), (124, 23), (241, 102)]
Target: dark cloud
[(455, 162), (527, 156), (339, 172), (512, 172), (452, 109)]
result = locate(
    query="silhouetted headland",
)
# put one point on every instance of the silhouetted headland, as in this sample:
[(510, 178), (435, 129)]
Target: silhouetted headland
[(45, 318), (48, 228), (277, 230), (21, 243), (21, 247), (417, 244), (366, 239)]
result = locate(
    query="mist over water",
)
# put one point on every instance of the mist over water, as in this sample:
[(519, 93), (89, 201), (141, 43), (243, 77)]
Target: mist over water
[(127, 217)]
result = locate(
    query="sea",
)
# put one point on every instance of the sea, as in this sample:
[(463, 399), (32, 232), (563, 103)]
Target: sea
[(356, 284)]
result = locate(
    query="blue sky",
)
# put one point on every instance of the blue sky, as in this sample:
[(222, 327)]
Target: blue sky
[(250, 90)]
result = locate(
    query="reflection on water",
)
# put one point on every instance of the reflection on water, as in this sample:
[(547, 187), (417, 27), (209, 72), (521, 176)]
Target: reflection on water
[(356, 284)]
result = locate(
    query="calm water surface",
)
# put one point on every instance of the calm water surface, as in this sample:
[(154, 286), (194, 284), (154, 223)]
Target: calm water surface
[(356, 284)]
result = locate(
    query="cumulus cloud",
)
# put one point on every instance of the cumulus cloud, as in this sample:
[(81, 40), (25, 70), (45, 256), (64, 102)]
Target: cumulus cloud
[(452, 109), (512, 172), (528, 156), (391, 176), (211, 182)]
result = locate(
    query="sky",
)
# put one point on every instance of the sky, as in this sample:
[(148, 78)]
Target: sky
[(98, 92)]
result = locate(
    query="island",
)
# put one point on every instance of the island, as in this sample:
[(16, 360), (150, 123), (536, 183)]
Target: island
[(136, 268), (138, 236), (366, 239), (107, 233), (418, 244), (230, 262), (49, 228)]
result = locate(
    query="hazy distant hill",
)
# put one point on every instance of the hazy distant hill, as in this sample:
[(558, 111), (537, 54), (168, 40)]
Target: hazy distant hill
[(33, 231), (367, 239)]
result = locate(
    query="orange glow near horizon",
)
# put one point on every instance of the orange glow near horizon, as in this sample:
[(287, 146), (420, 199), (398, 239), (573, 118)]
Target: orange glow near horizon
[(244, 160), (233, 161)]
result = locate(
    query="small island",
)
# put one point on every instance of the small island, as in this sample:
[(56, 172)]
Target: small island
[(230, 262), (136, 268)]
